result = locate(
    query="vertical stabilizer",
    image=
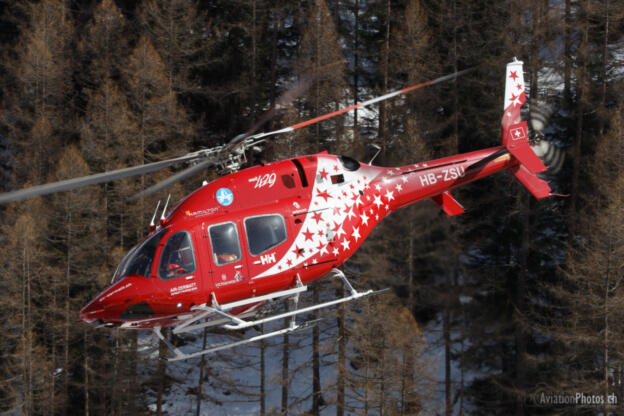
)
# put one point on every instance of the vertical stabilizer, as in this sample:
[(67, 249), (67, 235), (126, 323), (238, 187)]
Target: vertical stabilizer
[(515, 135)]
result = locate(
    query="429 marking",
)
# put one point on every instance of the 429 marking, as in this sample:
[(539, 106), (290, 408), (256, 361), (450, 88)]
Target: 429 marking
[(444, 175), (261, 181)]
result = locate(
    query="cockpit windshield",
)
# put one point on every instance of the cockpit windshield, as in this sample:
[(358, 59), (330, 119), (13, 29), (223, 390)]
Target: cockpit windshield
[(139, 260)]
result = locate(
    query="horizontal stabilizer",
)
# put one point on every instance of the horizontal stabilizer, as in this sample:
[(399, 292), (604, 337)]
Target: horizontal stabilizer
[(448, 203), (538, 187), (518, 145)]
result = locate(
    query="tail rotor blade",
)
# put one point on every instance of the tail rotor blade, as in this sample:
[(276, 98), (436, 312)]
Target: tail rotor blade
[(540, 113), (551, 155)]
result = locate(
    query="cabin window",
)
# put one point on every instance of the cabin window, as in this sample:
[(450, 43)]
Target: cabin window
[(225, 244), (177, 258), (265, 232)]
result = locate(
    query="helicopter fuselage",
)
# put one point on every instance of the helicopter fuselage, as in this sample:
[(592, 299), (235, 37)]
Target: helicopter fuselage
[(265, 228)]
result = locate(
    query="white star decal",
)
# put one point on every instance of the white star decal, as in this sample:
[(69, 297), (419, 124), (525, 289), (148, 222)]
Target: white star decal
[(358, 201), (350, 214), (378, 187), (345, 244), (335, 251), (377, 201), (364, 218), (340, 231), (404, 179), (323, 250), (399, 188), (356, 233), (389, 195)]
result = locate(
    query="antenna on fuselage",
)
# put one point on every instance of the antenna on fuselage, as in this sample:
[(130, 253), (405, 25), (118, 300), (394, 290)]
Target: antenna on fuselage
[(152, 223), (376, 154), (162, 216)]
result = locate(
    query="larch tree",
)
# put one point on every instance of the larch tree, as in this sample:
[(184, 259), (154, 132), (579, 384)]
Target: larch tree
[(183, 36), (162, 124), (42, 84), (27, 381), (590, 332), (162, 131), (320, 51), (103, 46), (76, 230)]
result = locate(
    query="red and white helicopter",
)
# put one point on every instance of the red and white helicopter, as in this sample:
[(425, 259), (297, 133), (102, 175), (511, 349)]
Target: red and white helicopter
[(265, 232)]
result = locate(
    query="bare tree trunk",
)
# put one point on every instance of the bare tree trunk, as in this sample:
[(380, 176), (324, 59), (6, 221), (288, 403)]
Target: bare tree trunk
[(132, 385), (277, 21), (262, 376), (603, 69), (86, 375), (355, 68), (340, 382), (382, 381), (520, 289), (67, 314), (580, 109), (385, 70), (448, 404), (200, 383), (253, 60), (115, 401), (606, 352), (567, 72), (161, 374), (285, 358), (316, 360)]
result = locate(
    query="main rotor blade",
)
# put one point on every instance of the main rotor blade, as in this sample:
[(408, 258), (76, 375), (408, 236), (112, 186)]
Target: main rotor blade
[(283, 101), (362, 104), (183, 174), (74, 183)]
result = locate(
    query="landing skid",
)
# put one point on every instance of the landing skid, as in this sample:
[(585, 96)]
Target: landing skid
[(234, 322)]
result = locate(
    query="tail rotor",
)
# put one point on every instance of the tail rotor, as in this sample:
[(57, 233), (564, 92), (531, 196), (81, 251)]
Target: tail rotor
[(551, 155)]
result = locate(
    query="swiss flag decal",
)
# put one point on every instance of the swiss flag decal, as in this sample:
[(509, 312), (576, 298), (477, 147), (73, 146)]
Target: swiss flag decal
[(517, 133)]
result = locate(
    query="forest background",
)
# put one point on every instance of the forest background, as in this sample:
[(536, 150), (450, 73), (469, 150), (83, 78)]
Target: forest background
[(489, 310)]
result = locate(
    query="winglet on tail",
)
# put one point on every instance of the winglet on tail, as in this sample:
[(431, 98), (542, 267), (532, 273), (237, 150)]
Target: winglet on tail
[(515, 137)]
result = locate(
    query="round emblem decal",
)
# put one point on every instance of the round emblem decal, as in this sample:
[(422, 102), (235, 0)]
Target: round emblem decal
[(225, 197)]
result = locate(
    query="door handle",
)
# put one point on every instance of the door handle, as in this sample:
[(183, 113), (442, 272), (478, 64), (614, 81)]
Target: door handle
[(240, 266), (190, 277)]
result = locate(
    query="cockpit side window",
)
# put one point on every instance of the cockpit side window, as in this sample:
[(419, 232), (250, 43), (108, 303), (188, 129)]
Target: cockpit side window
[(177, 258), (141, 262), (264, 232), (225, 244)]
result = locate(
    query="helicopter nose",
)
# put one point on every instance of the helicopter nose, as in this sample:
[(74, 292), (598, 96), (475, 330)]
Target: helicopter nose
[(94, 312), (89, 313), (102, 309)]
